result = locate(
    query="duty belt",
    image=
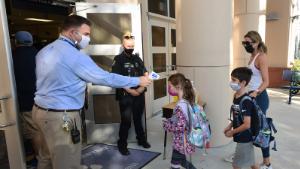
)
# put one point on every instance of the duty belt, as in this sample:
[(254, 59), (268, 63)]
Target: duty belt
[(57, 110)]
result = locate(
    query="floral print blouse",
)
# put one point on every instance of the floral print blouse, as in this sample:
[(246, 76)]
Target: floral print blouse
[(177, 125)]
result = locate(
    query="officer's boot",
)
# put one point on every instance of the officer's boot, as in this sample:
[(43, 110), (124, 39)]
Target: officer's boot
[(143, 142), (122, 146)]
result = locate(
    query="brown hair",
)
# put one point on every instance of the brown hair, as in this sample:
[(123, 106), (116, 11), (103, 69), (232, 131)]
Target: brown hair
[(187, 87), (74, 21), (255, 37)]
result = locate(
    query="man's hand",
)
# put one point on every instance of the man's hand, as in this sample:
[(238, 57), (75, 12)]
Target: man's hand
[(140, 89), (132, 92), (145, 80)]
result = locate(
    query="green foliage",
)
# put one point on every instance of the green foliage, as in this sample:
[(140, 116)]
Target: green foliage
[(296, 65)]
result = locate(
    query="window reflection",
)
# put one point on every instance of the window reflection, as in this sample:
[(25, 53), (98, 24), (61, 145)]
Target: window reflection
[(159, 62), (158, 36), (173, 37), (106, 109), (105, 62), (173, 61), (108, 28), (160, 88), (172, 8), (158, 7)]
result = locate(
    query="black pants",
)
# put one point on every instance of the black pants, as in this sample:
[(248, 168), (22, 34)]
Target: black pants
[(179, 159), (131, 105)]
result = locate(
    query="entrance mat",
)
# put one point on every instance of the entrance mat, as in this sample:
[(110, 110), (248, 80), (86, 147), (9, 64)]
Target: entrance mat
[(103, 156)]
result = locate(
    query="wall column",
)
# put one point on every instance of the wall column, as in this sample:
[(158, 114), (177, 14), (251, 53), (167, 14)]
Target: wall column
[(248, 15), (204, 54)]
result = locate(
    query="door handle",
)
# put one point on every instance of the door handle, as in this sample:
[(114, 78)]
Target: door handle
[(6, 125)]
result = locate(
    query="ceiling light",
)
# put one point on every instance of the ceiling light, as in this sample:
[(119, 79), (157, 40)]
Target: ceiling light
[(38, 20)]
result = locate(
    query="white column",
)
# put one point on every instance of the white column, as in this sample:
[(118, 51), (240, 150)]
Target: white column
[(204, 53), (248, 15)]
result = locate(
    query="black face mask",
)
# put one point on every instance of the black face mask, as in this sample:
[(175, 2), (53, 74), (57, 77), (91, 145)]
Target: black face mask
[(128, 51), (249, 48)]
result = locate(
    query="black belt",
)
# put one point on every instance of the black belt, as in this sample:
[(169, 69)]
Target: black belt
[(57, 110)]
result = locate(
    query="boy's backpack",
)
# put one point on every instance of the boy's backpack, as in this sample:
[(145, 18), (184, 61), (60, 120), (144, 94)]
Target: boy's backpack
[(261, 126), (199, 132)]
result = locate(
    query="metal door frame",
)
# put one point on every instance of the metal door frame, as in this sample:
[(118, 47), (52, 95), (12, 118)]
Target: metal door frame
[(8, 114), (108, 133)]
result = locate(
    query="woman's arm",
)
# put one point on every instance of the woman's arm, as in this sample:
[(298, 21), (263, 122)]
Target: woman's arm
[(264, 69)]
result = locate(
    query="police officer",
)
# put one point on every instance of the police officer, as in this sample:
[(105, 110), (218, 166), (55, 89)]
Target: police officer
[(131, 100)]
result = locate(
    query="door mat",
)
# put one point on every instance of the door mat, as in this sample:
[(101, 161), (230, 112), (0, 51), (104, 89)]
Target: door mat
[(103, 156)]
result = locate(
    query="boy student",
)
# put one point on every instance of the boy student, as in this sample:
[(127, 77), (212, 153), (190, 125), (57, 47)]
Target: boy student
[(239, 128)]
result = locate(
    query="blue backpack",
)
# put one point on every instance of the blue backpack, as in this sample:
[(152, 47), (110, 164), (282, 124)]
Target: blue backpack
[(262, 127), (199, 132)]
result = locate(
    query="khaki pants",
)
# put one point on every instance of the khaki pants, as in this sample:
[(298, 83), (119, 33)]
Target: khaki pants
[(57, 150)]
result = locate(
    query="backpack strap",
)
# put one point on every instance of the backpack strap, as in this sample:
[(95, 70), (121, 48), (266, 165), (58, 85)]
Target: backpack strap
[(189, 115), (244, 99), (241, 108), (182, 103)]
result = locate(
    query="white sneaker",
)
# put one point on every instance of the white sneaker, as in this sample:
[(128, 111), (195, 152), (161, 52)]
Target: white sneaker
[(229, 158), (263, 166)]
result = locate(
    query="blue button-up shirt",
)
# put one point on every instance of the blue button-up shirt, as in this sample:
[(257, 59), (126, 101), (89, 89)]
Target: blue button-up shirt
[(62, 72)]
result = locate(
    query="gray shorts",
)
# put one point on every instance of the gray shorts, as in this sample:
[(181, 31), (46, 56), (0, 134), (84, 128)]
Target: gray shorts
[(244, 155)]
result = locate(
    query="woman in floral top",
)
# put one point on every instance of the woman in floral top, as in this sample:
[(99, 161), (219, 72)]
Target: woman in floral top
[(178, 123)]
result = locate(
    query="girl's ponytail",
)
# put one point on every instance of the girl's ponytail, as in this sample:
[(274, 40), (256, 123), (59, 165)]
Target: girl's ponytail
[(188, 91)]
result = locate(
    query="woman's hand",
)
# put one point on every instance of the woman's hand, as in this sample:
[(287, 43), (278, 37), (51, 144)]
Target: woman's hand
[(229, 133), (253, 94)]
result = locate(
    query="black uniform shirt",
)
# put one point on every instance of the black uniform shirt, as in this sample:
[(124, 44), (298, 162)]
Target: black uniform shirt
[(128, 65)]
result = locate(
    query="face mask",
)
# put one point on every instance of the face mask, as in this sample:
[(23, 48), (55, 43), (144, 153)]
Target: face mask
[(128, 51), (171, 91), (85, 40), (249, 48), (235, 86)]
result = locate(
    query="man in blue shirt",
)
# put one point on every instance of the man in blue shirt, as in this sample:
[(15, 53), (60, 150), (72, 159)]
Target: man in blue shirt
[(62, 73)]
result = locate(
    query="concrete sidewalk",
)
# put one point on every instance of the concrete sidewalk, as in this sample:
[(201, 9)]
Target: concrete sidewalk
[(286, 119)]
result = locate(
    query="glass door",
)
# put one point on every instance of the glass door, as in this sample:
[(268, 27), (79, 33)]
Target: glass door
[(163, 57), (11, 148), (109, 22)]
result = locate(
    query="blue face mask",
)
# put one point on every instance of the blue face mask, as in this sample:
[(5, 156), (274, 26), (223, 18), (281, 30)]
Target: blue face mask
[(235, 86)]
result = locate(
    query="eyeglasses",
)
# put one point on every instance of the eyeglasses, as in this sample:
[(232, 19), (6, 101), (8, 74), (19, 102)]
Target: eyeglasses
[(128, 37), (244, 43)]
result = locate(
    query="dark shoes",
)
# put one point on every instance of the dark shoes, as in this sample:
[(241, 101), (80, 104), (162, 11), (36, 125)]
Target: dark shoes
[(123, 148), (145, 144), (124, 151)]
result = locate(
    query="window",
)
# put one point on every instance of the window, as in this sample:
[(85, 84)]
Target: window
[(160, 88), (173, 37), (172, 8), (173, 61), (295, 30), (158, 7), (105, 62), (158, 36), (159, 62), (108, 28), (162, 7)]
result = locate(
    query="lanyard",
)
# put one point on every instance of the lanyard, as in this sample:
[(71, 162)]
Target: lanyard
[(63, 39)]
